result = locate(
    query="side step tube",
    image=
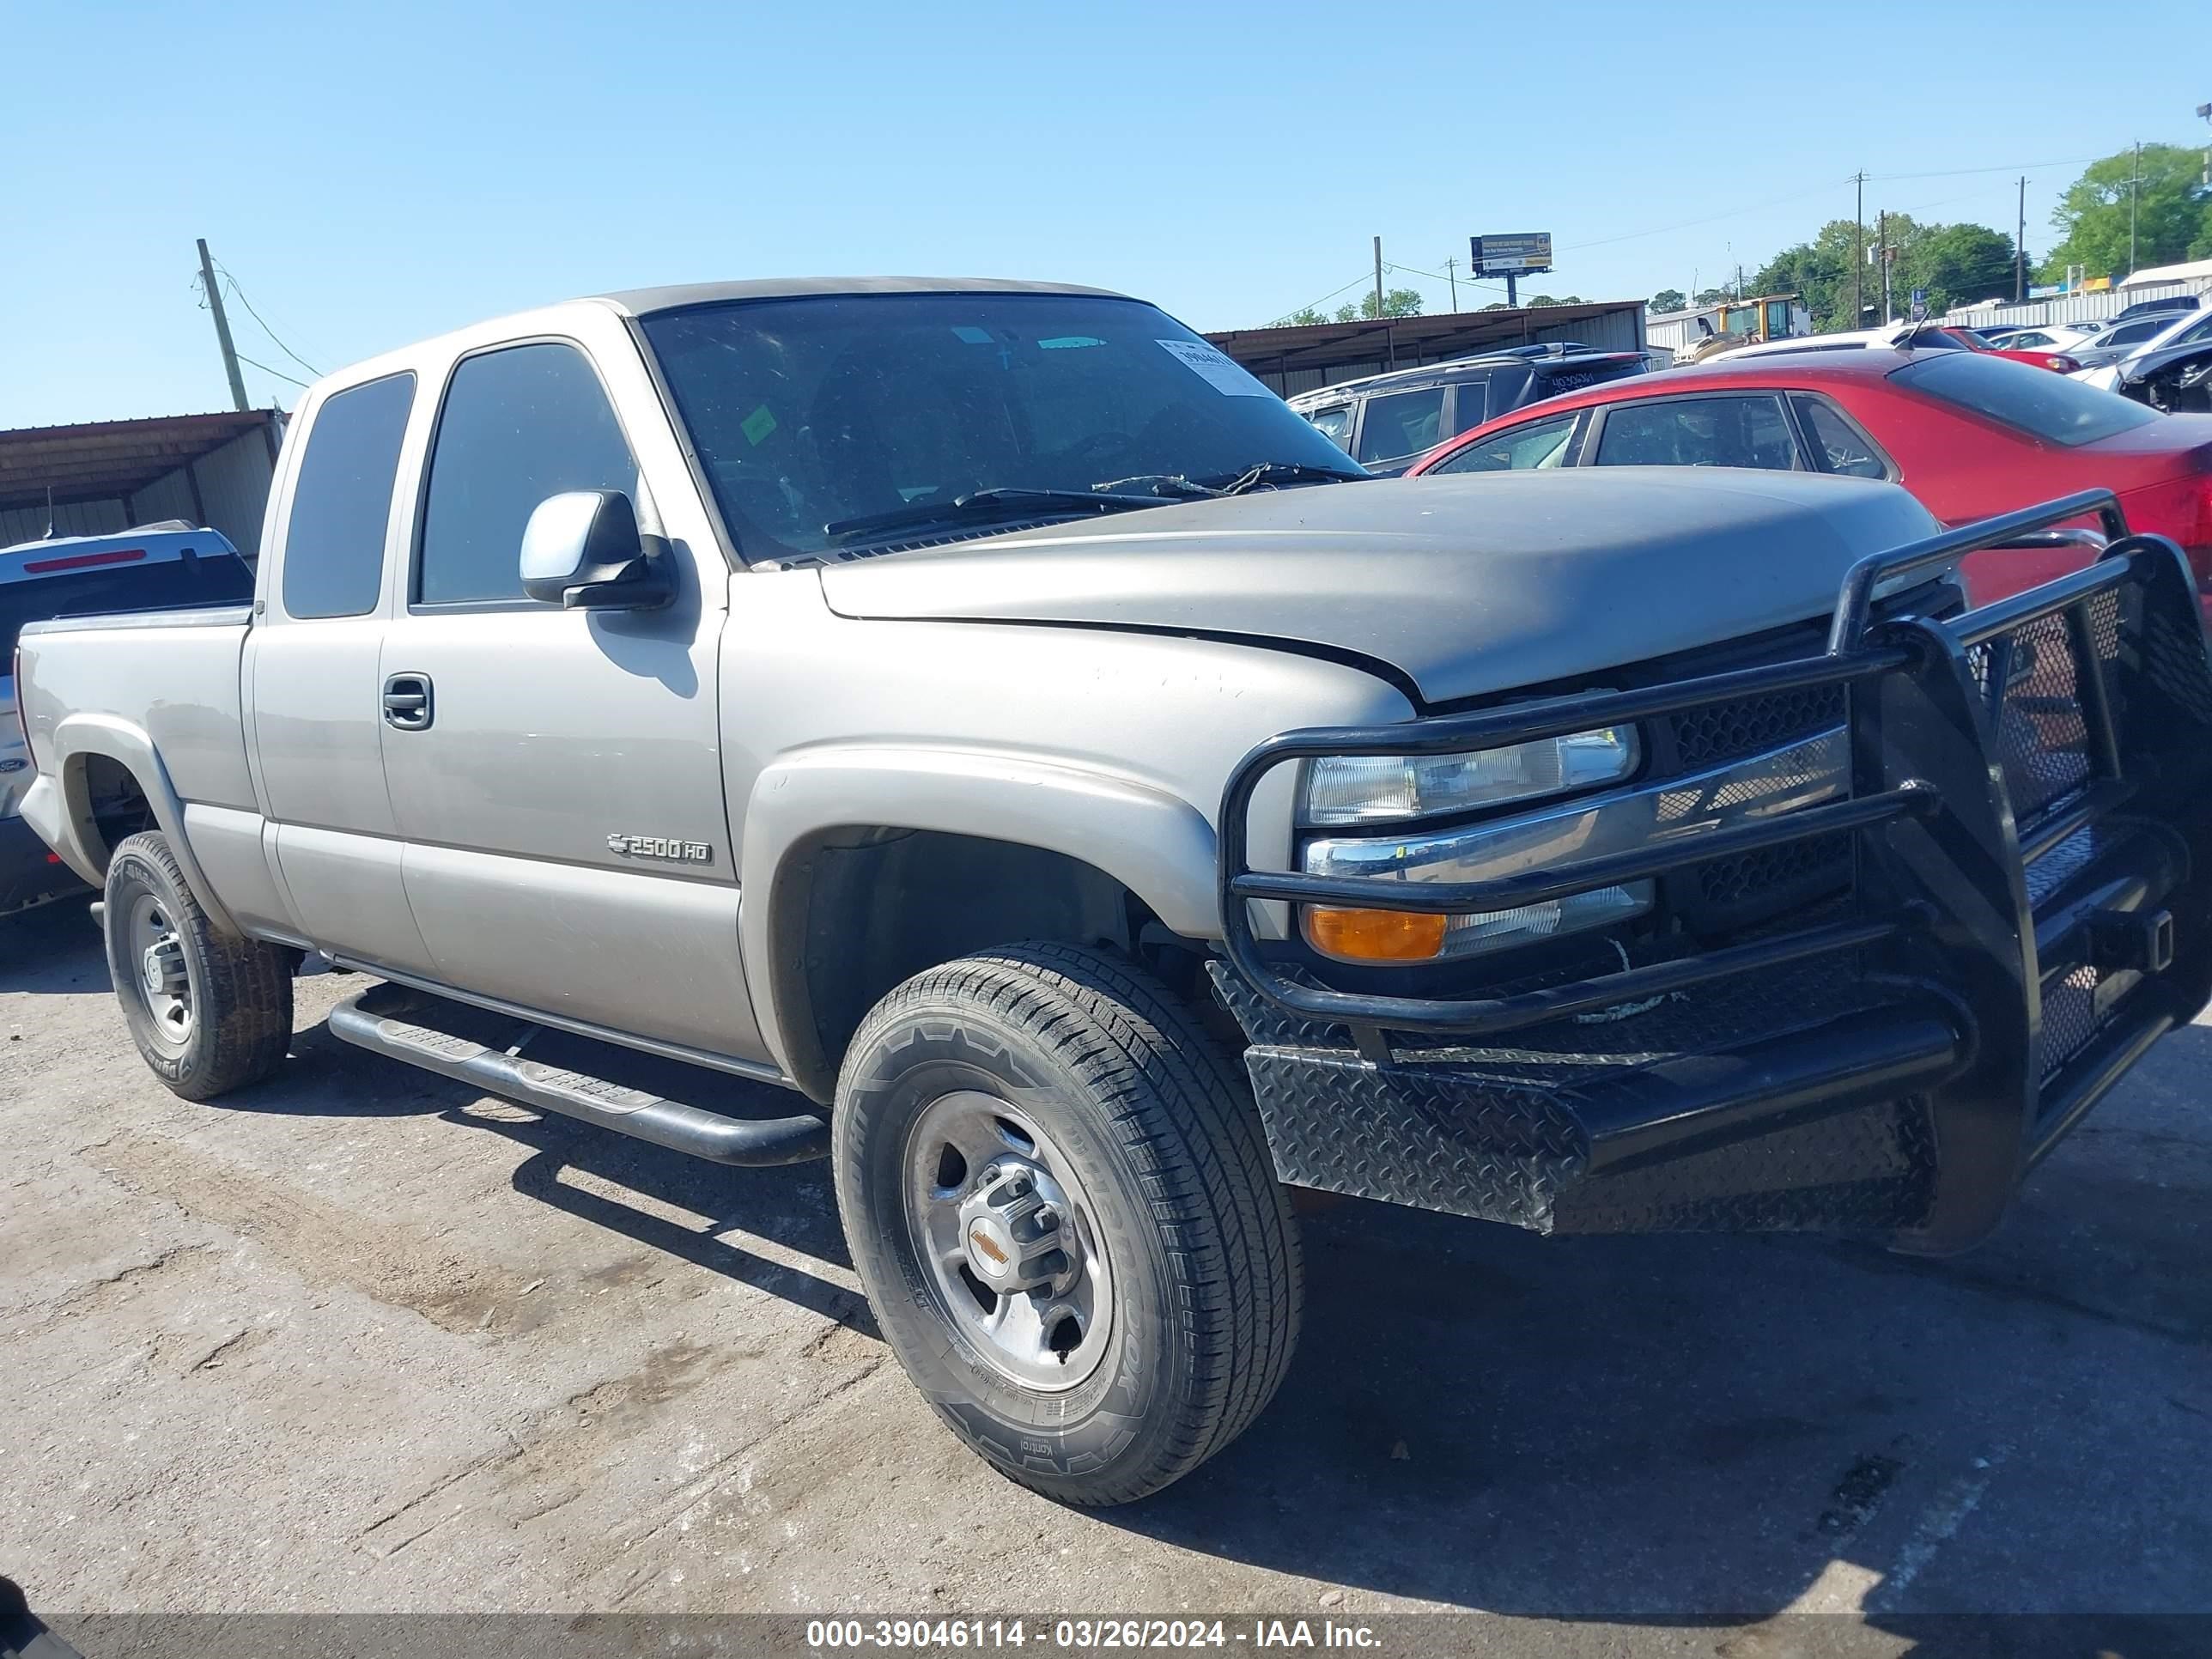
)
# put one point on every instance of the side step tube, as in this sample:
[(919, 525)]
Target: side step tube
[(373, 1019)]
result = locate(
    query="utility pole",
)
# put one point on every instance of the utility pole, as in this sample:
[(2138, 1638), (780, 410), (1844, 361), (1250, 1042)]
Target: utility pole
[(1858, 251), (2020, 247), (1378, 278), (1451, 275), (1881, 253), (221, 328), (2134, 179)]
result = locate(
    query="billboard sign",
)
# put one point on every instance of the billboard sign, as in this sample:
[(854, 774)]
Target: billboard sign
[(1517, 256)]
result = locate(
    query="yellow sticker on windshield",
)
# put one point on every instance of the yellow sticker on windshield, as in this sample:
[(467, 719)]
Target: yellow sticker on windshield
[(758, 425)]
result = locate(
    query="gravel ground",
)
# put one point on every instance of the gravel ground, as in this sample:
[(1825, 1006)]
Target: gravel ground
[(358, 1340)]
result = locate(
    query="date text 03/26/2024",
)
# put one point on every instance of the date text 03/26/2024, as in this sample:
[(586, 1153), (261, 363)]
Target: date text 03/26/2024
[(1085, 1635)]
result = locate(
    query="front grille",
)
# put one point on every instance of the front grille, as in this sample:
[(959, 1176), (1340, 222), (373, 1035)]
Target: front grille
[(1820, 861), (1733, 730), (1734, 892)]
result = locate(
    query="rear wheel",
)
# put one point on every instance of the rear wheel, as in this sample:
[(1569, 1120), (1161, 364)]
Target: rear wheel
[(1060, 1200), (210, 1011)]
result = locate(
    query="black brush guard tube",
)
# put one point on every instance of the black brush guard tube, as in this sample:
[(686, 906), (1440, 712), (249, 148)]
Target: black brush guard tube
[(2030, 821)]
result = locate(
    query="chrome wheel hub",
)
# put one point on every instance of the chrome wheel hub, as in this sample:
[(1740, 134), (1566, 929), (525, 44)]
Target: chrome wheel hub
[(1008, 1241), (164, 983)]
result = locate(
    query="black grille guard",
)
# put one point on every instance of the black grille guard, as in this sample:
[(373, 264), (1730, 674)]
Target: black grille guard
[(1945, 857)]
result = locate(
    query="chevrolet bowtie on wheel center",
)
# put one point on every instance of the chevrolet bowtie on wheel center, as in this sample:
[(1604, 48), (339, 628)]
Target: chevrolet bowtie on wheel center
[(974, 732)]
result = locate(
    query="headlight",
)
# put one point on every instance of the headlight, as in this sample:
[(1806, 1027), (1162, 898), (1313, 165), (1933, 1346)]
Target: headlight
[(1753, 790), (1359, 789)]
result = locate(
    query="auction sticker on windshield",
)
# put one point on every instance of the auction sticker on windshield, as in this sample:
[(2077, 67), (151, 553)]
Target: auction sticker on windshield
[(1217, 370)]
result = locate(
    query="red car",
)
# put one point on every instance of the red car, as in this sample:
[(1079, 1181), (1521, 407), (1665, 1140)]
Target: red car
[(1967, 433), (1966, 338)]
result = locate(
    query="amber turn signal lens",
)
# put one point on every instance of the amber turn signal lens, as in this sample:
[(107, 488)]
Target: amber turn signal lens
[(1376, 935)]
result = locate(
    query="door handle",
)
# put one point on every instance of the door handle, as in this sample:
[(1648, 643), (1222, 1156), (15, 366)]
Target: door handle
[(407, 703)]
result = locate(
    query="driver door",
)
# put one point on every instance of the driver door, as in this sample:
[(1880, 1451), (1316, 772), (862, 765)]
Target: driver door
[(555, 774)]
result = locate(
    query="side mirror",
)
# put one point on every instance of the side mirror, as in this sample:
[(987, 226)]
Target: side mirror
[(582, 551)]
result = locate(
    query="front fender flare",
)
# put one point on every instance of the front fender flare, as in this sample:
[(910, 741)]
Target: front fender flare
[(1156, 844)]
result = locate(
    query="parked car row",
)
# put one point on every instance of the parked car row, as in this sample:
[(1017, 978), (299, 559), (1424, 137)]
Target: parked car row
[(1929, 406), (1969, 435), (1385, 422), (985, 712)]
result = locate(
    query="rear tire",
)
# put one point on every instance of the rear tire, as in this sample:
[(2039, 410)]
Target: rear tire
[(210, 1012), (1149, 1314)]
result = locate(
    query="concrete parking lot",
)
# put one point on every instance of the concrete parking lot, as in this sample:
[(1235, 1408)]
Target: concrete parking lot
[(356, 1340)]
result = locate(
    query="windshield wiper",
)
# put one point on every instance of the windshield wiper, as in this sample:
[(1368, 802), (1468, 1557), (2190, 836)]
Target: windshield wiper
[(1276, 472), (1004, 501)]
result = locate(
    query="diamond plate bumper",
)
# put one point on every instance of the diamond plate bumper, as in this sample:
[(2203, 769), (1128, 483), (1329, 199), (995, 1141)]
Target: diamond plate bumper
[(2030, 908)]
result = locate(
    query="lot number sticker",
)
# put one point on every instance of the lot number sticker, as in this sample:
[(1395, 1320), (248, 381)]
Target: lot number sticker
[(1216, 370)]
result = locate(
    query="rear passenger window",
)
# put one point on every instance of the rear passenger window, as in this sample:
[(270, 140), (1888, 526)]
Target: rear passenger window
[(341, 501), (520, 425), (1732, 431)]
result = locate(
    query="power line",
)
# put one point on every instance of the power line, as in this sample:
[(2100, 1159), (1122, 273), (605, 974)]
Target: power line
[(2011, 167), (1711, 218), (231, 282), (265, 369)]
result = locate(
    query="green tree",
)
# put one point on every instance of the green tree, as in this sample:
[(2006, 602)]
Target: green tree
[(1398, 302), (1670, 299), (2172, 213), (1821, 269), (1957, 265), (1304, 317), (1710, 296)]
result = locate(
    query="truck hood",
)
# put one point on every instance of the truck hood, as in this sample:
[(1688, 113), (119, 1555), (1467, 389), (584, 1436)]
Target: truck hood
[(1463, 586)]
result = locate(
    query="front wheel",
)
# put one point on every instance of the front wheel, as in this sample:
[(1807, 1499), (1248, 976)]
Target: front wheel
[(1060, 1200), (210, 1011)]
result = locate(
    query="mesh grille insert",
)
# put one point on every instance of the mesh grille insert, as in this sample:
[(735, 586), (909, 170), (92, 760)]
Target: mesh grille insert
[(1725, 731)]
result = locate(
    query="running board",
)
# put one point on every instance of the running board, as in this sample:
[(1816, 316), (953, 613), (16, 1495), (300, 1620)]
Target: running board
[(383, 1019)]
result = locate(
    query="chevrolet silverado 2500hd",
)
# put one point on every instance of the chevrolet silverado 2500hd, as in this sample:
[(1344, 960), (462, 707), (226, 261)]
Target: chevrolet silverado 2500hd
[(984, 709)]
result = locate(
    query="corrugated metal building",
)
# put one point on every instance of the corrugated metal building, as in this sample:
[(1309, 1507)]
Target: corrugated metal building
[(106, 476), (2073, 307), (1298, 358)]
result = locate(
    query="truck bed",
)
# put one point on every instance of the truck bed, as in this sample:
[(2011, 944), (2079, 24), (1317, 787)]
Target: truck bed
[(173, 675)]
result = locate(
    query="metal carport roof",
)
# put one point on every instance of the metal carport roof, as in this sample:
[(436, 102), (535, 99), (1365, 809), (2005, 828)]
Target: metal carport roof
[(101, 459), (1406, 340)]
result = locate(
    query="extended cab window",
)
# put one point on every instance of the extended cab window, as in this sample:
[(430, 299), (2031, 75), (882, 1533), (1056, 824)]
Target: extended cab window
[(520, 425), (1541, 445), (341, 501), (1748, 431)]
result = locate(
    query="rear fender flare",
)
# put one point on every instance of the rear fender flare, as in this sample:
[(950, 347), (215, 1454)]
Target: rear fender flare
[(77, 738)]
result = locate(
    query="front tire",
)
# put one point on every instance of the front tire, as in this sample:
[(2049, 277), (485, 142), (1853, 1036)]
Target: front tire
[(210, 1011), (1060, 1200)]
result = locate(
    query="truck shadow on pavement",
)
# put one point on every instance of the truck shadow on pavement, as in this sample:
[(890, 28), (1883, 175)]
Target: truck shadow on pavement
[(53, 950), (1717, 1431), (789, 1209)]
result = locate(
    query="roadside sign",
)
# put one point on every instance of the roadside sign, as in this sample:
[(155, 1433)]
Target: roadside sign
[(1919, 305), (1520, 255)]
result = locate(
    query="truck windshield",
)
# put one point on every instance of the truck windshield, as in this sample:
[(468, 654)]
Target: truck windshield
[(850, 409), (169, 584)]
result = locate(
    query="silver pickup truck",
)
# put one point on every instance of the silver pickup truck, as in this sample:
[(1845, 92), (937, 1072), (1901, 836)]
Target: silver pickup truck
[(985, 711)]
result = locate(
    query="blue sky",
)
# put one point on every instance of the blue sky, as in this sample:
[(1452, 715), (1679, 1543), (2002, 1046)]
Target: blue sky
[(371, 174)]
